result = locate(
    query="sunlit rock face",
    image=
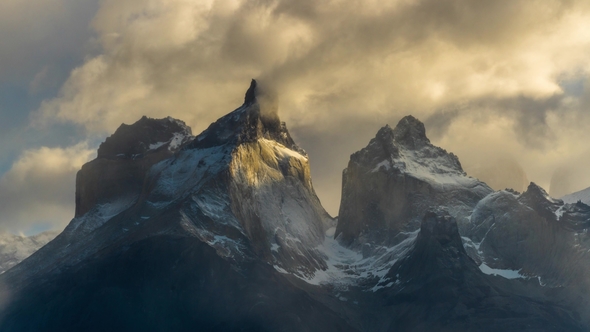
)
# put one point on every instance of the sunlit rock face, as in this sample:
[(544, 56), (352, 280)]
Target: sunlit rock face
[(388, 185), (251, 187)]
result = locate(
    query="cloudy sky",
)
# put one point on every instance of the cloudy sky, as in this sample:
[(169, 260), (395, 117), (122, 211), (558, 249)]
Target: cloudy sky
[(503, 84)]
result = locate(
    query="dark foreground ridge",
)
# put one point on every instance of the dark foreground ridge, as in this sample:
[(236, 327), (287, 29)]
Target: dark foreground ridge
[(438, 287)]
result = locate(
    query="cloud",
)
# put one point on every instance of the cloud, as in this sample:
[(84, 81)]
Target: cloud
[(39, 33), (39, 188), (497, 67)]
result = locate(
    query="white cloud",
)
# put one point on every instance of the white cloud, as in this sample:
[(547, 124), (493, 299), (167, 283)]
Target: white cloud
[(39, 188)]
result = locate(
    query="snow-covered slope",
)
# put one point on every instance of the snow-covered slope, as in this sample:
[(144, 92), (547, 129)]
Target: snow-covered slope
[(582, 195), (15, 248)]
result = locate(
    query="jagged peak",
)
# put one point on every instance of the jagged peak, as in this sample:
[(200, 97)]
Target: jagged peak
[(410, 132), (406, 149), (538, 199), (534, 191), (250, 97), (144, 135), (256, 119)]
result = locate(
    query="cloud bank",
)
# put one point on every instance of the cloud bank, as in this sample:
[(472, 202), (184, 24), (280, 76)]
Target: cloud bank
[(500, 82)]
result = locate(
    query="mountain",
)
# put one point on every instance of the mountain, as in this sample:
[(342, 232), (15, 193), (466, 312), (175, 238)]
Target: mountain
[(437, 286), (582, 196), (533, 235), (193, 229), (15, 248), (389, 184), (224, 232)]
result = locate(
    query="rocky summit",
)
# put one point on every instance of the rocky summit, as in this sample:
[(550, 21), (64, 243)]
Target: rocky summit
[(389, 184), (223, 231)]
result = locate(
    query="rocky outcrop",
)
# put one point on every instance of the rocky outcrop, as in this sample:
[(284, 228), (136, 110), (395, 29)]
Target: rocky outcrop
[(534, 234), (438, 287), (397, 177), (123, 160)]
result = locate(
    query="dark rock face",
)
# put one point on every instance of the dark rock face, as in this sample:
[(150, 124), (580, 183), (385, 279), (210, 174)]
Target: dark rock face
[(535, 234), (250, 97), (124, 159), (438, 287), (144, 136), (167, 283), (397, 177), (411, 133)]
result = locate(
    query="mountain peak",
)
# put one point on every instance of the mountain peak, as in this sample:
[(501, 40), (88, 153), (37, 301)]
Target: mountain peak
[(535, 192), (143, 136), (535, 188), (256, 119), (537, 198), (410, 132), (250, 97)]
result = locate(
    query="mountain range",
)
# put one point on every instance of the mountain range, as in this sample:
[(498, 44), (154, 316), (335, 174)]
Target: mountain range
[(223, 231), (15, 248)]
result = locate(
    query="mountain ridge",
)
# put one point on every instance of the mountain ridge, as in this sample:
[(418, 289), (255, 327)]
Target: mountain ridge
[(224, 231)]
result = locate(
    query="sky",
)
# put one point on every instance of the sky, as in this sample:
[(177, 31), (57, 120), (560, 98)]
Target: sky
[(502, 84)]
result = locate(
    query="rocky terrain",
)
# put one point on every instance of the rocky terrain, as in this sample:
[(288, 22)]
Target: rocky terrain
[(224, 232)]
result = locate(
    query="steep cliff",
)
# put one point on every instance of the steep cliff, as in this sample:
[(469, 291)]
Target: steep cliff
[(389, 184)]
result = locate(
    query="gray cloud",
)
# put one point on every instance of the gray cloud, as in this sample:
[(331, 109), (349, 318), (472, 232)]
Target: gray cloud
[(41, 33), (439, 122)]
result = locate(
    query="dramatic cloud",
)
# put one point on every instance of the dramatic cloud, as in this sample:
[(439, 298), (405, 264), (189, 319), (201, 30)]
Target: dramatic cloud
[(491, 79), (37, 191)]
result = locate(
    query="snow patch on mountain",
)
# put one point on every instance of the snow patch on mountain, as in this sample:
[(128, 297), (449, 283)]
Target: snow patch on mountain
[(505, 273), (347, 267), (100, 214), (185, 172), (281, 151), (173, 143), (582, 195), (428, 166)]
